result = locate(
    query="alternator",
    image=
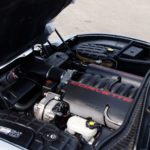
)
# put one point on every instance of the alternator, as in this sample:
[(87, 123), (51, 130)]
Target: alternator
[(44, 109), (50, 107)]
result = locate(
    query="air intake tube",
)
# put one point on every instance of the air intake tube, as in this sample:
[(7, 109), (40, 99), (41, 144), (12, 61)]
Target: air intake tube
[(42, 71)]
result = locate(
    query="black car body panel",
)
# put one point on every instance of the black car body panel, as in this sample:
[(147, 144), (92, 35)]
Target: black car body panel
[(22, 21)]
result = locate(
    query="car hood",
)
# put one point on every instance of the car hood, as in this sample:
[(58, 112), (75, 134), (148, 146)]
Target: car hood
[(23, 21)]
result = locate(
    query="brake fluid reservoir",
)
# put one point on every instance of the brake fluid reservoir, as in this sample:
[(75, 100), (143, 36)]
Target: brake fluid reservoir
[(78, 125)]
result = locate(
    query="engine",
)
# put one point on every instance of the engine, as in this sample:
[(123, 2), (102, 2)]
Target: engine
[(81, 100), (98, 94)]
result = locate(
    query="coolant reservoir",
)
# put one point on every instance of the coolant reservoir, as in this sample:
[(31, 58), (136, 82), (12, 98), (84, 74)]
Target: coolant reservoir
[(78, 125)]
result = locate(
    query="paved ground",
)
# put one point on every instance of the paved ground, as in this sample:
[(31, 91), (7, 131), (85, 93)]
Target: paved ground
[(123, 17)]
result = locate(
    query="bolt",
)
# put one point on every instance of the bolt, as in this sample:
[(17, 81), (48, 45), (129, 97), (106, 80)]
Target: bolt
[(50, 136), (53, 136)]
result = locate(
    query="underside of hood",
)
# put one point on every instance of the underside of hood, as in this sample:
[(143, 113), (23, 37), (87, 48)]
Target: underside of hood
[(22, 21)]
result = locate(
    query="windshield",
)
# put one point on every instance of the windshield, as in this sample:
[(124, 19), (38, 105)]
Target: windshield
[(126, 17)]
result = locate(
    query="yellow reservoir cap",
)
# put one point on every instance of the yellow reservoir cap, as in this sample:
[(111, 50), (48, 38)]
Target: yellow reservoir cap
[(91, 123)]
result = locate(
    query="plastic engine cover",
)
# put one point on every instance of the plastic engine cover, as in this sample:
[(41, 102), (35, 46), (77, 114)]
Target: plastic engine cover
[(103, 107)]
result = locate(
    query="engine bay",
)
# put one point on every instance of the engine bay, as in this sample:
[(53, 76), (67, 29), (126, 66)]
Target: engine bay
[(72, 96)]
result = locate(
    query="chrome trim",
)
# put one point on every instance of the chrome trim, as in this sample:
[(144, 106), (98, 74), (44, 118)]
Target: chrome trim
[(25, 54), (108, 118)]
